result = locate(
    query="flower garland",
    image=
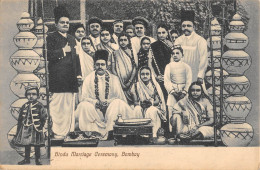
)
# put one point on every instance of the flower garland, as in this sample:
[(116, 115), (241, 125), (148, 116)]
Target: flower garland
[(107, 86)]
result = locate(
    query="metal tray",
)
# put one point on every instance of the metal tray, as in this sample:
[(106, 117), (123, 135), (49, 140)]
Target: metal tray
[(133, 122)]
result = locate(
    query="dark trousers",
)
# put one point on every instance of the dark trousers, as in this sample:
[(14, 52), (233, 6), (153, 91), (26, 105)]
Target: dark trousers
[(28, 151)]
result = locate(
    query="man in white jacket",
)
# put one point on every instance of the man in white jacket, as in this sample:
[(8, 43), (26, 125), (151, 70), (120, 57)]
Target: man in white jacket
[(194, 47)]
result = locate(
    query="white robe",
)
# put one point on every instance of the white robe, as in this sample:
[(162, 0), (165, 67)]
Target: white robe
[(195, 53), (177, 77), (92, 119), (136, 45)]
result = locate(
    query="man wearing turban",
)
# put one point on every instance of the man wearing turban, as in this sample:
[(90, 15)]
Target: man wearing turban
[(194, 47), (95, 25), (64, 74), (102, 99)]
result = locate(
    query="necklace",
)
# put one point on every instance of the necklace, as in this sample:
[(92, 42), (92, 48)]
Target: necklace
[(107, 86)]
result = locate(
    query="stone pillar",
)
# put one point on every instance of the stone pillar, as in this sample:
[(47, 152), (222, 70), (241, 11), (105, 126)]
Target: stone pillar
[(25, 60), (236, 61)]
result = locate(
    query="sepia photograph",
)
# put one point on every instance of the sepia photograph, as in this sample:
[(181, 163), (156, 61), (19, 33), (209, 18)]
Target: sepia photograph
[(129, 84)]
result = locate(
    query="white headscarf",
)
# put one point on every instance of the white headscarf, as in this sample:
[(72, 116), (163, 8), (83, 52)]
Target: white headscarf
[(146, 91), (86, 61)]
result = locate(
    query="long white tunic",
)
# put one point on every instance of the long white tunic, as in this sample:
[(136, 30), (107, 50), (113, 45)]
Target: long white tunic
[(177, 77), (195, 53), (92, 119)]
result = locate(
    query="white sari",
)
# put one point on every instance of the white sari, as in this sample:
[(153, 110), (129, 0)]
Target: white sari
[(146, 92)]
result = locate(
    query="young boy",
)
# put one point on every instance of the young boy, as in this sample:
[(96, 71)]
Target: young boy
[(30, 125), (177, 78)]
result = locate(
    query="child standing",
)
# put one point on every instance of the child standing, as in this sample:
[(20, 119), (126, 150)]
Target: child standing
[(177, 78), (32, 118)]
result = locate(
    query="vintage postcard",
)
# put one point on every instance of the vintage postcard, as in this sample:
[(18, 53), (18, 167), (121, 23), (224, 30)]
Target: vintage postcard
[(129, 84)]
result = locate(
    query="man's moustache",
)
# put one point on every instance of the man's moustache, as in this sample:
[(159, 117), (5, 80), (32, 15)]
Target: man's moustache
[(186, 30)]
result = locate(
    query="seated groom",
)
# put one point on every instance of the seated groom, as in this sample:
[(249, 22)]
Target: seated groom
[(102, 99)]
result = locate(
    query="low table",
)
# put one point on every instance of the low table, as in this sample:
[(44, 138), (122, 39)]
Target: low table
[(134, 132)]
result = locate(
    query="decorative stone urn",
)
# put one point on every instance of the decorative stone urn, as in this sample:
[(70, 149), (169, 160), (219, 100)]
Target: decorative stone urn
[(41, 74), (236, 85), (21, 81), (25, 40), (216, 58), (237, 25), (217, 76), (216, 42), (215, 27), (237, 107), (25, 60), (237, 134), (16, 106), (217, 94), (236, 62), (25, 23)]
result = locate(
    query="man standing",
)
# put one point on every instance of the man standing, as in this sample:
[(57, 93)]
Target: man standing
[(140, 24), (118, 27), (130, 31), (95, 25), (194, 47), (102, 99), (64, 74)]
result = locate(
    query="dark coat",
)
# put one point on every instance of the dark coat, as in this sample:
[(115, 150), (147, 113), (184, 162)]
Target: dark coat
[(31, 120), (63, 70), (162, 55)]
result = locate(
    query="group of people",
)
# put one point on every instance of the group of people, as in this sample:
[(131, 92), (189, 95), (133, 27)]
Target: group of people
[(94, 78)]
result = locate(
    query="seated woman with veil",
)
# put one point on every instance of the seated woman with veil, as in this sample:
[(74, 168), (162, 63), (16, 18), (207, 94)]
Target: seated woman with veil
[(193, 115), (149, 100)]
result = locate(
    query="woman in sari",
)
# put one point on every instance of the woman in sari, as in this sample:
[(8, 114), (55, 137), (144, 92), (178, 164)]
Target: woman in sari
[(145, 54), (125, 66), (162, 50), (106, 44), (193, 115), (149, 100), (86, 53)]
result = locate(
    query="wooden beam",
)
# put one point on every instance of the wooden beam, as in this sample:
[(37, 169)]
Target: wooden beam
[(83, 12)]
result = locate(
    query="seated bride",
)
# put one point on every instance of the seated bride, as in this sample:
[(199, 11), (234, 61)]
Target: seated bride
[(148, 99)]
